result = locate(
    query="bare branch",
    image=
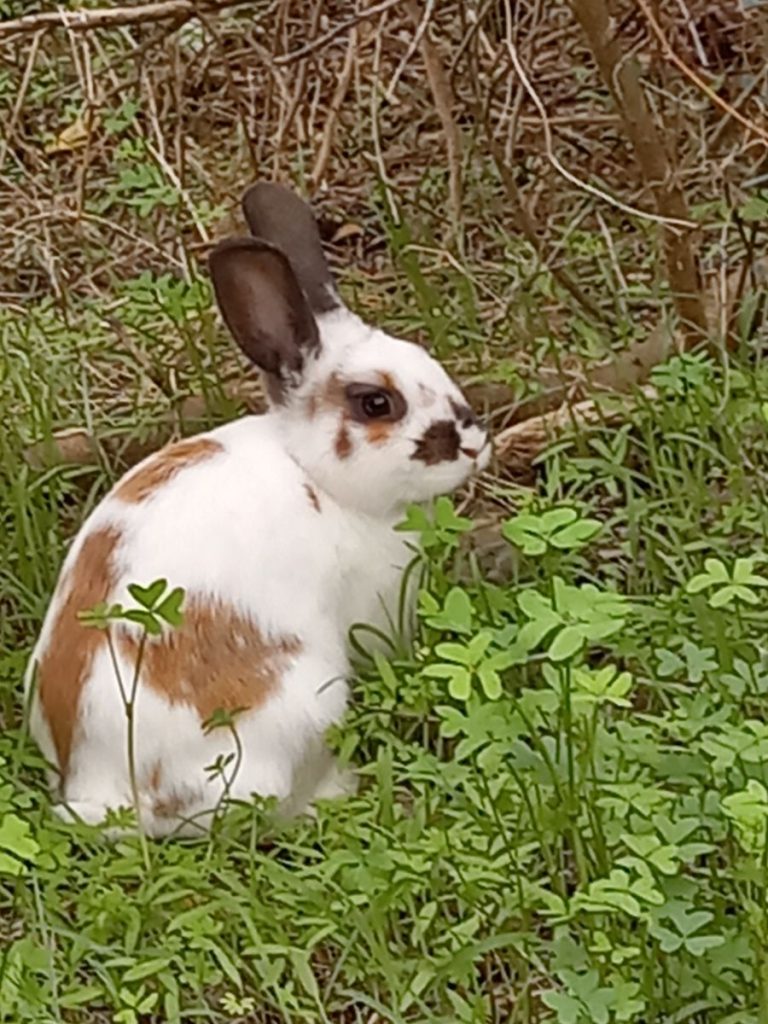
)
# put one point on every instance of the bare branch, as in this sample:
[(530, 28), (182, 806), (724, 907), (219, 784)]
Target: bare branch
[(108, 17), (620, 74), (339, 95), (699, 82), (520, 444), (337, 30), (442, 95)]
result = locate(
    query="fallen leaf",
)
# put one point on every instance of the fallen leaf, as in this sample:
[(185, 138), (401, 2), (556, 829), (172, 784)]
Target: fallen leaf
[(75, 135), (348, 230)]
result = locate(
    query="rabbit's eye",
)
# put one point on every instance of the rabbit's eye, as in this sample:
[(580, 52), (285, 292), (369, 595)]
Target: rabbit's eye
[(367, 403), (376, 405)]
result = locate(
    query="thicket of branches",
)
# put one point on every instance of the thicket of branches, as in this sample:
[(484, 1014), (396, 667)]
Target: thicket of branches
[(472, 122)]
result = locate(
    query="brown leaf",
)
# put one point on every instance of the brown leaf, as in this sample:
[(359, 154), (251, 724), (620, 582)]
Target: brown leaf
[(348, 230), (75, 135)]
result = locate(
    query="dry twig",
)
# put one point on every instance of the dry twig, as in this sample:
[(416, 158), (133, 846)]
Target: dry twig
[(335, 32), (110, 17), (699, 82), (326, 144), (620, 74), (442, 94), (521, 443)]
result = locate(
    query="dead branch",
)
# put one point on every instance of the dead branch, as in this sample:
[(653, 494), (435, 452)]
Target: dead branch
[(532, 231), (531, 419), (618, 375), (326, 145), (110, 17), (697, 80), (620, 74), (515, 447), (442, 95), (79, 447), (335, 32), (518, 445)]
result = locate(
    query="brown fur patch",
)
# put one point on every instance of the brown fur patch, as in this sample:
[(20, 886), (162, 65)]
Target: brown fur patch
[(379, 431), (155, 777), (217, 659), (172, 806), (440, 443), (343, 442), (313, 498), (72, 646), (171, 803), (333, 395), (142, 482), (387, 380)]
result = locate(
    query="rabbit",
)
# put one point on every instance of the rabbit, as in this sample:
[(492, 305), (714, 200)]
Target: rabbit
[(279, 527)]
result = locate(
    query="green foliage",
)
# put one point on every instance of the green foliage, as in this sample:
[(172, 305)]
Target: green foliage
[(563, 813), (155, 604), (560, 528)]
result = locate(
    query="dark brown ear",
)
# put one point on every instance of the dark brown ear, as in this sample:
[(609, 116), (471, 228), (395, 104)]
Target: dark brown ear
[(279, 216), (264, 307)]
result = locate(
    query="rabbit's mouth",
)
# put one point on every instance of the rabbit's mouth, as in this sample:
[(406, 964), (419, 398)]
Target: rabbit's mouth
[(480, 456)]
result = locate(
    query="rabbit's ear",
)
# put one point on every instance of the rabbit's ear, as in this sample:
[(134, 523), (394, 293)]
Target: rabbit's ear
[(279, 216), (264, 307)]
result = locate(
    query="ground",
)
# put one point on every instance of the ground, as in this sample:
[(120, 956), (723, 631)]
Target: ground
[(563, 809)]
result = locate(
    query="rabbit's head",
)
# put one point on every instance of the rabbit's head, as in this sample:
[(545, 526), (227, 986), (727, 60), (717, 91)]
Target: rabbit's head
[(373, 419)]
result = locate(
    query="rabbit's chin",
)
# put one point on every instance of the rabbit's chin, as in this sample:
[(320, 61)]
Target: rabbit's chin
[(445, 479), (370, 491)]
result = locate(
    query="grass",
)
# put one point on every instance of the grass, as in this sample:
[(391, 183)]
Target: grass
[(564, 808)]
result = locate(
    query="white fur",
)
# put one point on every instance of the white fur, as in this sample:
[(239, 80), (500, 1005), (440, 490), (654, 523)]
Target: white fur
[(239, 526)]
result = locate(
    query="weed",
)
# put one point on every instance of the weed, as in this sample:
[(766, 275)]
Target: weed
[(563, 813)]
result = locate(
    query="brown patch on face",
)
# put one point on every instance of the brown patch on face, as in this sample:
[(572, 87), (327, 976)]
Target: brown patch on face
[(217, 659), (379, 431), (343, 442), (387, 380), (161, 467), (440, 443), (68, 656), (333, 395), (313, 498)]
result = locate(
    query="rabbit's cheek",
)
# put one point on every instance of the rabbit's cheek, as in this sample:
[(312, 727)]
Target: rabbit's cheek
[(379, 432), (343, 442)]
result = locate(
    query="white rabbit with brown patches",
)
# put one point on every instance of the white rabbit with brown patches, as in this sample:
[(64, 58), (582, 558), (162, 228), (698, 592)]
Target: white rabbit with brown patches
[(280, 530)]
